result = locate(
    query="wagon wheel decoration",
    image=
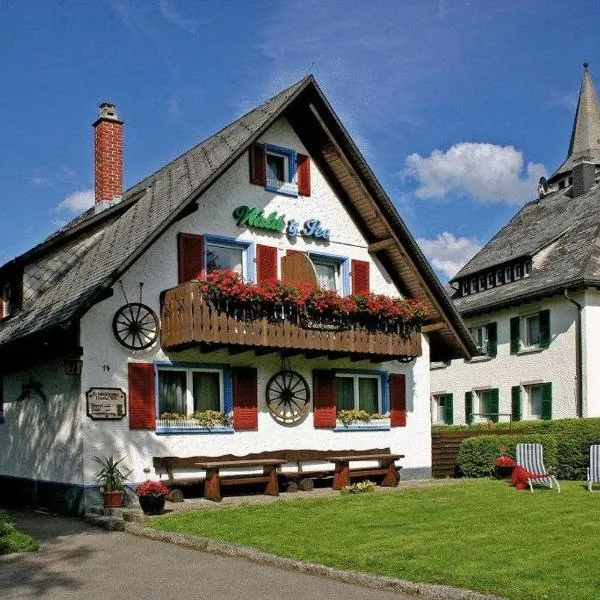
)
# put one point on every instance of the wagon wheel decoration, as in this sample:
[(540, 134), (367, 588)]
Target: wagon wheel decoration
[(135, 326), (288, 396)]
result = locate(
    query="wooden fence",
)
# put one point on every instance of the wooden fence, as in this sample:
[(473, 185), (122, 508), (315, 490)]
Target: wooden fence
[(445, 447)]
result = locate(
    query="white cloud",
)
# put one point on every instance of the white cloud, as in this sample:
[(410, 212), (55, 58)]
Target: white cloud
[(447, 253), (37, 180), (77, 202), (487, 172), (169, 12)]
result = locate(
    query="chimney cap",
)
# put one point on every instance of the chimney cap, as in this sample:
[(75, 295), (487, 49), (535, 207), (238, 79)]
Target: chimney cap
[(107, 111)]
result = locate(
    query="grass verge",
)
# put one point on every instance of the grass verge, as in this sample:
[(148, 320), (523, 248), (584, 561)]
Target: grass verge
[(12, 540), (481, 535)]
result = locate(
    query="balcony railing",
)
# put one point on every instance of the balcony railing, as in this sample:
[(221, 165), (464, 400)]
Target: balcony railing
[(189, 319)]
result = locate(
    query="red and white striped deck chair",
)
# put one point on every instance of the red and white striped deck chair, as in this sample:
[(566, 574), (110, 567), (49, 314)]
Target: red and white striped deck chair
[(531, 458), (593, 472)]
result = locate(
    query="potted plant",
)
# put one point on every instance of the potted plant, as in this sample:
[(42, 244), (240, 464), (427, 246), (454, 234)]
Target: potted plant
[(151, 495), (504, 466), (112, 480)]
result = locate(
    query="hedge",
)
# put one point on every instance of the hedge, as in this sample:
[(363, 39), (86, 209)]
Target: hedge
[(566, 447), (562, 426), (477, 454)]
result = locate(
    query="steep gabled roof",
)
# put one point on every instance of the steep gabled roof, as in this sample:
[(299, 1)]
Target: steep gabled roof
[(99, 248)]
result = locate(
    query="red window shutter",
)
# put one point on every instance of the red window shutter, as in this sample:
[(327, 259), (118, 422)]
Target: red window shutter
[(142, 404), (258, 171), (398, 400), (245, 398), (190, 255), (266, 263), (303, 163), (360, 277), (324, 399)]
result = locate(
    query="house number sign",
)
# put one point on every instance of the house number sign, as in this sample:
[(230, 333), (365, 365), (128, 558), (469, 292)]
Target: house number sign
[(255, 218), (105, 403)]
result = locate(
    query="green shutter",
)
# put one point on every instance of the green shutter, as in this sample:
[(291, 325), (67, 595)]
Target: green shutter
[(515, 335), (448, 409), (468, 407), (494, 403), (492, 345), (515, 396), (544, 317), (546, 401)]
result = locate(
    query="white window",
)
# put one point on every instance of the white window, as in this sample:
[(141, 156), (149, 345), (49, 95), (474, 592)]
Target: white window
[(531, 335), (5, 304), (187, 391), (328, 274), (473, 285), (438, 404), (507, 274), (480, 335), (533, 404), (281, 170), (482, 407), (499, 277), (226, 256), (518, 271), (490, 280), (465, 287), (358, 392)]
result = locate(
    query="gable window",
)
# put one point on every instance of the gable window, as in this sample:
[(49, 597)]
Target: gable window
[(358, 392), (183, 392)]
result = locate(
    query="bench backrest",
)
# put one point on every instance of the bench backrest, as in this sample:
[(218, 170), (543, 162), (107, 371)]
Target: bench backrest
[(301, 455)]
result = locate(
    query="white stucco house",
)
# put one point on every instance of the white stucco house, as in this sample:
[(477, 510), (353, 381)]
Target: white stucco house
[(109, 347), (530, 297)]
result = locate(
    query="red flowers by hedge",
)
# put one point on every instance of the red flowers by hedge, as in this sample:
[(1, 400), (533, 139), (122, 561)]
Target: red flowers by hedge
[(505, 461), (152, 488), (369, 310)]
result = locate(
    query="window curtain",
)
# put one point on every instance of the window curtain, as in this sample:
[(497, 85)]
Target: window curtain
[(171, 392), (367, 394), (325, 275), (206, 391), (344, 390)]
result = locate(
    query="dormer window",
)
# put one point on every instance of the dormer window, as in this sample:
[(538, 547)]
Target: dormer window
[(5, 301), (465, 287), (490, 279), (518, 271), (499, 277), (482, 281), (528, 267), (473, 285), (508, 274)]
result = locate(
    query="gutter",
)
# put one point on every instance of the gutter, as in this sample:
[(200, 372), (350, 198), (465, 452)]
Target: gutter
[(578, 356)]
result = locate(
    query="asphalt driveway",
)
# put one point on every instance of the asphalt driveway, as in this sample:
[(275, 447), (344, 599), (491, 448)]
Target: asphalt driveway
[(77, 561)]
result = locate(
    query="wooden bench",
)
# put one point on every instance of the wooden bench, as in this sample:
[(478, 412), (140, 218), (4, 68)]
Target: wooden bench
[(212, 485), (341, 459), (174, 466), (387, 468)]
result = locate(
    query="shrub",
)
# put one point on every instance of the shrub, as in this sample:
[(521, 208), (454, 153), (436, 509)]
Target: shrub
[(477, 454)]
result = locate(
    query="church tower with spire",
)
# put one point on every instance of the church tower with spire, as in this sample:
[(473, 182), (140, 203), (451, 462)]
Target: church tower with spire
[(531, 297)]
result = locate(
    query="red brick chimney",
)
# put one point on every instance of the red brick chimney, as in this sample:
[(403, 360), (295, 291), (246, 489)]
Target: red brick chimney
[(108, 157)]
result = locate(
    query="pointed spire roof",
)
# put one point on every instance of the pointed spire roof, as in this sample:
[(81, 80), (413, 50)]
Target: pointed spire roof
[(585, 136)]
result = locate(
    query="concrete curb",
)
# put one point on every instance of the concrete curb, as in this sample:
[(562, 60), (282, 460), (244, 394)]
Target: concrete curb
[(380, 582)]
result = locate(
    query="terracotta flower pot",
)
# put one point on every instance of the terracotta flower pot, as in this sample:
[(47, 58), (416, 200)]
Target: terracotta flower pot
[(113, 499), (152, 505)]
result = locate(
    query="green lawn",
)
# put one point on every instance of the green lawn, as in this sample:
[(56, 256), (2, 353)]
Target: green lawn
[(480, 534), (12, 540)]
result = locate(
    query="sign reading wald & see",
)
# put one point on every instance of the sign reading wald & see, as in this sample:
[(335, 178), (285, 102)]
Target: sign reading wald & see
[(105, 403), (256, 219)]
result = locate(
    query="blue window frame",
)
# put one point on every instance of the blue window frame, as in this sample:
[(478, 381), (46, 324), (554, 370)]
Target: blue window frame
[(281, 170), (352, 380), (339, 275), (225, 252), (180, 388)]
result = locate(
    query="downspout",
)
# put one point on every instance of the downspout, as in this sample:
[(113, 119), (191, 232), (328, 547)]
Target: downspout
[(578, 356)]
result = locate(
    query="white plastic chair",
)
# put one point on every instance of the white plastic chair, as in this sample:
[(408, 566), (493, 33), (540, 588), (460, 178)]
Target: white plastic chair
[(531, 458), (593, 472)]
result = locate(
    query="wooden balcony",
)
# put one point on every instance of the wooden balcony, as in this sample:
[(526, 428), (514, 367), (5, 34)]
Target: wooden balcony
[(188, 320)]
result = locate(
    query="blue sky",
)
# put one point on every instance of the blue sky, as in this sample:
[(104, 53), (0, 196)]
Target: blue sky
[(458, 106)]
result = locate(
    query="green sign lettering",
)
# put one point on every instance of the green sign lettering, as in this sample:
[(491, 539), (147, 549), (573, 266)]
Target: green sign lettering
[(255, 218)]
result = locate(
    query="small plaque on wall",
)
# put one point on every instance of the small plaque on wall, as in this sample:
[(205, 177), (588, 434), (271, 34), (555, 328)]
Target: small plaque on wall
[(105, 403)]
